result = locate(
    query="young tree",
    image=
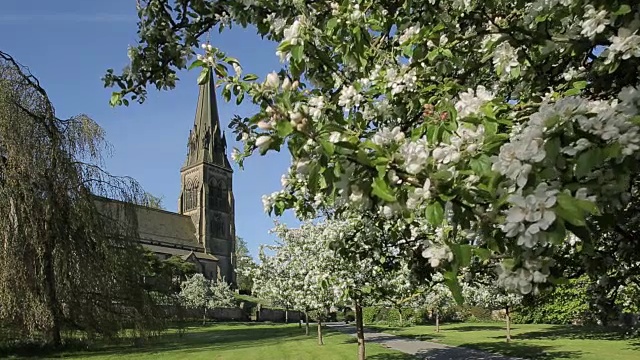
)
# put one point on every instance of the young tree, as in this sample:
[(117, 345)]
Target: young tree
[(438, 299), (200, 293), (514, 122), (494, 298), (66, 257), (244, 264)]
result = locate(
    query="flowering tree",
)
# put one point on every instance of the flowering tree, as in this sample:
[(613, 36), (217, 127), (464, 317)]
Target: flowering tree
[(299, 274), (199, 292), (508, 124), (492, 297), (438, 299)]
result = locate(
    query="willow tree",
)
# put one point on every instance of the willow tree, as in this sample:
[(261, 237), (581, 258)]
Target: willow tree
[(64, 262)]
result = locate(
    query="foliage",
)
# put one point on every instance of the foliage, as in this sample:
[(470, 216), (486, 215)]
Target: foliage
[(68, 258), (244, 265), (199, 292), (149, 200), (494, 130), (564, 304)]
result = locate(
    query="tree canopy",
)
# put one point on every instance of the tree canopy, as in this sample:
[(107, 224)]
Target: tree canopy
[(466, 129)]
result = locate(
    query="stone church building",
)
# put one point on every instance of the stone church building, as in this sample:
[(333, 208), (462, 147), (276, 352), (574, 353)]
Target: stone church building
[(203, 229)]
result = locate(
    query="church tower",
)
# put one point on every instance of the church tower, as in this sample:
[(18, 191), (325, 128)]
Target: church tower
[(206, 183)]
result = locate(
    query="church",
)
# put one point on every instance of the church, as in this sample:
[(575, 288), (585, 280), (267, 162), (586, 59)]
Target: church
[(203, 229)]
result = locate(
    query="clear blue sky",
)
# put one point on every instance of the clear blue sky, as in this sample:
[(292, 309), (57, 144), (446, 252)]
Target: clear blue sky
[(69, 45)]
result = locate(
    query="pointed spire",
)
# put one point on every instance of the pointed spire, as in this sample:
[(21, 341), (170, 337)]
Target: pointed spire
[(206, 143)]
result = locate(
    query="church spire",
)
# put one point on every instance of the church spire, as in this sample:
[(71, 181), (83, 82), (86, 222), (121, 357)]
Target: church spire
[(206, 144)]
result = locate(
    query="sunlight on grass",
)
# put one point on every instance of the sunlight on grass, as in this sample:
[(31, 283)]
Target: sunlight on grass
[(240, 341)]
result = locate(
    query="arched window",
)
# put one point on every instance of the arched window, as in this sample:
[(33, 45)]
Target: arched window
[(190, 196)]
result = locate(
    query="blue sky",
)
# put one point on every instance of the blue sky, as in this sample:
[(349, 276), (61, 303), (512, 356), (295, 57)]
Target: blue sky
[(69, 46)]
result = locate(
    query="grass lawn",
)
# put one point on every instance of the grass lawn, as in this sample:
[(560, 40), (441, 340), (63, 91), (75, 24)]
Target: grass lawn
[(531, 341), (241, 341)]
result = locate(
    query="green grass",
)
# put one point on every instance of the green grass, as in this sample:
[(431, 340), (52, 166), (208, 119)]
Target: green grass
[(531, 341), (239, 341)]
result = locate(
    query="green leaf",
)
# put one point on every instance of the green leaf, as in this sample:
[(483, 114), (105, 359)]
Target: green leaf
[(623, 10), (451, 280), (435, 213), (196, 64), (559, 233), (381, 189), (204, 76), (580, 84), (297, 52), (569, 210), (332, 23), (481, 165), (482, 253), (462, 254), (115, 98), (328, 147), (284, 128), (250, 77), (442, 175), (587, 161)]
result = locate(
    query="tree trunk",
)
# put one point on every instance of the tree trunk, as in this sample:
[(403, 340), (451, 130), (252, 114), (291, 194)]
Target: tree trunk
[(400, 314), (286, 315), (306, 327), (204, 317), (360, 332), (320, 342), (50, 285), (437, 321), (508, 319)]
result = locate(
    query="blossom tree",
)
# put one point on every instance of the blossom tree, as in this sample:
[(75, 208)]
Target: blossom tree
[(300, 272), (508, 123), (438, 299), (199, 292), (492, 297)]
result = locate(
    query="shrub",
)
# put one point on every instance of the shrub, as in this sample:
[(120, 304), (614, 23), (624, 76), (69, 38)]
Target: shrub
[(369, 314)]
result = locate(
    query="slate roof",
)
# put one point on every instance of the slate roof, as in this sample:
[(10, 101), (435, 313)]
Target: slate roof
[(159, 230)]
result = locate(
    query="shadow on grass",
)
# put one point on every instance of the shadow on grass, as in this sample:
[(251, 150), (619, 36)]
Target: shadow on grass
[(533, 352), (557, 332), (214, 337), (479, 328)]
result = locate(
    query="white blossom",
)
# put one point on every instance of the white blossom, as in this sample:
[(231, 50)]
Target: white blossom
[(529, 215), (594, 21), (349, 97), (414, 155), (272, 81), (263, 142), (626, 44), (471, 101), (386, 136)]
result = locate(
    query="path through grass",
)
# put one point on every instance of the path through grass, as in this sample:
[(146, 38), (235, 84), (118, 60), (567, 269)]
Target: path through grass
[(529, 341)]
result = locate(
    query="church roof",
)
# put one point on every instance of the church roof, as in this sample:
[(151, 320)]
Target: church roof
[(180, 252), (155, 226), (207, 143)]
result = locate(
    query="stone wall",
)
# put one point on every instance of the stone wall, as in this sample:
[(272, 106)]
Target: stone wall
[(278, 315), (217, 314)]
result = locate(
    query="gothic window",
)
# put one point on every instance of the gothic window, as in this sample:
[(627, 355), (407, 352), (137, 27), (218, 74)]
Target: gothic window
[(190, 196), (217, 227)]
